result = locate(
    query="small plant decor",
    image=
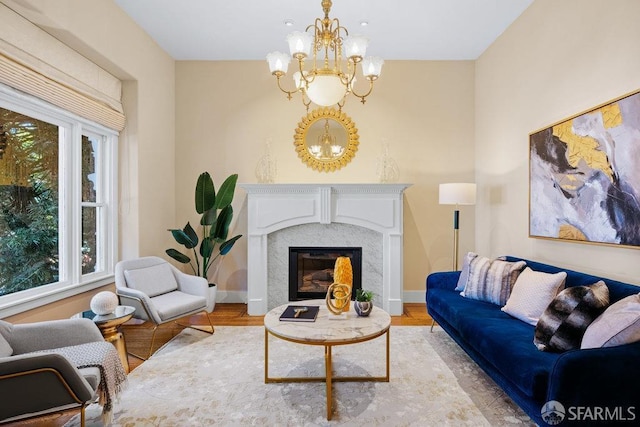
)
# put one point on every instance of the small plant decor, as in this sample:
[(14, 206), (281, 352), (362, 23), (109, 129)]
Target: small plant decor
[(364, 295), (363, 304)]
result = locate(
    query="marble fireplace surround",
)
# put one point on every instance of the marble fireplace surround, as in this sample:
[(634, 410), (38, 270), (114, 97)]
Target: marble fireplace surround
[(337, 211)]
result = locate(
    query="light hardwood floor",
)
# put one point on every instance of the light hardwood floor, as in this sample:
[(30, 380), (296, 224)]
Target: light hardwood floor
[(138, 336)]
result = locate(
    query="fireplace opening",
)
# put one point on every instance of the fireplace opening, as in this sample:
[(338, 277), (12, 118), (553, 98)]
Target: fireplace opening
[(311, 270)]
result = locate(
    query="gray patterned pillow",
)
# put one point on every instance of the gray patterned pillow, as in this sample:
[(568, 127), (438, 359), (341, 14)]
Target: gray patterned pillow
[(564, 322), (491, 280)]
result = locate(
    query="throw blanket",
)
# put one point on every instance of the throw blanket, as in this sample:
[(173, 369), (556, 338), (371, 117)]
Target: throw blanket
[(104, 356)]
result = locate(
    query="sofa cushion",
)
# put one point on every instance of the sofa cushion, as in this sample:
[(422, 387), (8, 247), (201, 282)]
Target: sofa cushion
[(532, 293), (491, 280), (565, 321), (155, 280), (618, 325)]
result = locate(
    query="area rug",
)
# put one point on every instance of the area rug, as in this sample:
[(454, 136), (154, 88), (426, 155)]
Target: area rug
[(198, 379)]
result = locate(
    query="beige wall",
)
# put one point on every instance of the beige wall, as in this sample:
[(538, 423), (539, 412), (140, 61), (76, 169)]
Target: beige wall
[(558, 59), (100, 30), (225, 111)]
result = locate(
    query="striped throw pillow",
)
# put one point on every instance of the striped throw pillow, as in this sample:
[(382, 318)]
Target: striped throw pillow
[(491, 280)]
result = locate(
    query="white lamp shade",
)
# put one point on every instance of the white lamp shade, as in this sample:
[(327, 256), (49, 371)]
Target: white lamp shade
[(326, 90), (356, 46), (278, 61), (299, 42), (458, 193), (372, 66)]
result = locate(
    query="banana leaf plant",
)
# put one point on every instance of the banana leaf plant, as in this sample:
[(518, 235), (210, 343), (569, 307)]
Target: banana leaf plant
[(216, 214)]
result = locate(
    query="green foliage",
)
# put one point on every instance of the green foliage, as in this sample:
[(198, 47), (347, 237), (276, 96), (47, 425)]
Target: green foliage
[(216, 213), (29, 238), (364, 295)]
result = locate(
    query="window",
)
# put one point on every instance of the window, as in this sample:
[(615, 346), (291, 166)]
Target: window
[(58, 217)]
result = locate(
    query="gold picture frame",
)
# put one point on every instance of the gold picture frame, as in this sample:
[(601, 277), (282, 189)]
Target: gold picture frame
[(326, 139)]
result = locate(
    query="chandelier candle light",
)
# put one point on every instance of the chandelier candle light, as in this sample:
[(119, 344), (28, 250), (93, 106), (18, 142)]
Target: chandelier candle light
[(330, 78), (459, 193)]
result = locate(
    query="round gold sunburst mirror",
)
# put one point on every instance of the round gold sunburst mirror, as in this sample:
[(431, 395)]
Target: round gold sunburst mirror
[(326, 139)]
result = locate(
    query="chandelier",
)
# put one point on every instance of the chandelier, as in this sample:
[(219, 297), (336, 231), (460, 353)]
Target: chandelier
[(334, 56)]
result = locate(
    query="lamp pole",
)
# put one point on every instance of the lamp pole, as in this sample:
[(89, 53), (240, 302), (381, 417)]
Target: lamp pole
[(456, 229)]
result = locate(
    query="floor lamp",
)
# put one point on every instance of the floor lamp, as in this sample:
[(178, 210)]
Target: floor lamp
[(458, 193)]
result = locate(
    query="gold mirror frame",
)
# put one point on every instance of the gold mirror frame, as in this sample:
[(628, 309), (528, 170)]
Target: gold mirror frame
[(350, 142)]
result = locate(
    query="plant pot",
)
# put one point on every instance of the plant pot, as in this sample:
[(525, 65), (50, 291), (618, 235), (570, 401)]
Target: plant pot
[(363, 308), (211, 298)]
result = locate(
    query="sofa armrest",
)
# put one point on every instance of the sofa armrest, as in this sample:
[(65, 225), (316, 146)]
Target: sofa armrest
[(443, 280), (31, 383), (28, 337), (603, 377)]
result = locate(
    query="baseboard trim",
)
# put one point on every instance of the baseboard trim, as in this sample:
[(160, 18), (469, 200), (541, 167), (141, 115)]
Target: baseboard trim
[(413, 296), (231, 297)]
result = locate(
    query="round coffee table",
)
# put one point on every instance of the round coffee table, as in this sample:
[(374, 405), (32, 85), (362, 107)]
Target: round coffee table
[(328, 333)]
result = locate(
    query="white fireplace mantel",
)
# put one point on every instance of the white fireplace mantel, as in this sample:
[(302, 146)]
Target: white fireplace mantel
[(272, 207)]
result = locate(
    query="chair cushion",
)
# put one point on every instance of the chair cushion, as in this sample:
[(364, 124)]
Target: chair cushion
[(92, 375), (5, 332), (153, 281), (5, 347), (177, 304)]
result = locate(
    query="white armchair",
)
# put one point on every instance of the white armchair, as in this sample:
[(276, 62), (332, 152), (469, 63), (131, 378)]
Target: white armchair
[(160, 292)]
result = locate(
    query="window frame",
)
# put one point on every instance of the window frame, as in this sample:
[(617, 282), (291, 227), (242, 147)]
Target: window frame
[(71, 280)]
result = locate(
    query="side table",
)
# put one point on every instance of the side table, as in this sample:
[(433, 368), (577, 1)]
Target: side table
[(109, 325)]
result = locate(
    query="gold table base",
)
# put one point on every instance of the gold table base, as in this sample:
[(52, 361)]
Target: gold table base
[(329, 379)]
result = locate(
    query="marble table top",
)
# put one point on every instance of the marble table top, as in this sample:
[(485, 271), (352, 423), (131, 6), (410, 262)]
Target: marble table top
[(327, 330)]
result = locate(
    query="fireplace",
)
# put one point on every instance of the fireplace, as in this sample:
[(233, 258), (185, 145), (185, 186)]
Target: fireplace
[(280, 216), (311, 270)]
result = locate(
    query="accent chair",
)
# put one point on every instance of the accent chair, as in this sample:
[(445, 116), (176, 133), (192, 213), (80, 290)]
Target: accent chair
[(33, 384), (160, 293)]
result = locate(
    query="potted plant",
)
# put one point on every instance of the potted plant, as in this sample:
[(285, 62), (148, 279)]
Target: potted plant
[(215, 216), (364, 302)]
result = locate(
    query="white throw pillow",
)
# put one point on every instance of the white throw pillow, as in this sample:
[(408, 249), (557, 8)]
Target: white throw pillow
[(618, 325), (532, 294)]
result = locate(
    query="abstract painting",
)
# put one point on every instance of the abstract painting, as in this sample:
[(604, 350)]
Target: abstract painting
[(584, 176)]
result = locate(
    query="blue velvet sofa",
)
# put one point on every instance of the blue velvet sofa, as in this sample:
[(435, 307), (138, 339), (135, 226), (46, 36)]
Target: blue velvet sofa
[(503, 347)]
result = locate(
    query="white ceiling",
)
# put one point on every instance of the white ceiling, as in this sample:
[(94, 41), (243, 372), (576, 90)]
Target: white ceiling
[(397, 30)]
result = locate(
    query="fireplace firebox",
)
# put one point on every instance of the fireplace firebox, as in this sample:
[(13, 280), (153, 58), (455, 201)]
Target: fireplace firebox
[(311, 270)]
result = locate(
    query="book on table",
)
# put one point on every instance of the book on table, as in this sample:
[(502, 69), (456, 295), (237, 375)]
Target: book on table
[(300, 313)]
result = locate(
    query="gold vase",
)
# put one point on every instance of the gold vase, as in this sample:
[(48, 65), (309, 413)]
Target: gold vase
[(343, 274)]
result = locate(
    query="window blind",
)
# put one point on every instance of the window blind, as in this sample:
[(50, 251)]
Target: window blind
[(30, 81)]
